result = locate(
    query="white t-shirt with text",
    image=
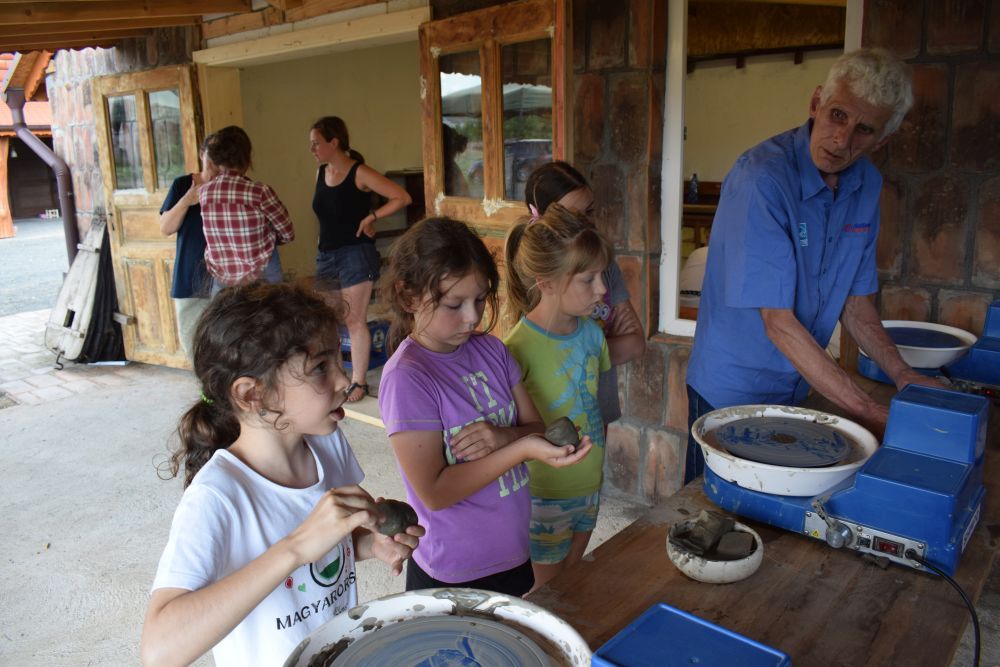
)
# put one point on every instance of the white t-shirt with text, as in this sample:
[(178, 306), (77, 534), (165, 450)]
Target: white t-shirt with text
[(229, 516)]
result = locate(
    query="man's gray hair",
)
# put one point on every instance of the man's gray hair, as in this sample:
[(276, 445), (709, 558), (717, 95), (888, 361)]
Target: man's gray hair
[(877, 77)]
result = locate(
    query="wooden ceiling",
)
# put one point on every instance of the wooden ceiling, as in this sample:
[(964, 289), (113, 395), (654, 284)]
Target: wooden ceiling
[(77, 24)]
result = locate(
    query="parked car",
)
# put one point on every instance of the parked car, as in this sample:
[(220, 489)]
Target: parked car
[(521, 157)]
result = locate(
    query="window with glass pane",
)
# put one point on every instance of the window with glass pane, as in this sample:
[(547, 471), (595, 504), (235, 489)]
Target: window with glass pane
[(527, 112), (168, 147), (125, 142), (462, 124)]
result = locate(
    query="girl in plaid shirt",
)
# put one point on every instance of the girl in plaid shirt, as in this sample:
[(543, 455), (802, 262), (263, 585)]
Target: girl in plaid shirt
[(244, 220)]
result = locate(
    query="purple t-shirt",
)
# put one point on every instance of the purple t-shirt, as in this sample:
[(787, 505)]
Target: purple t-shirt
[(421, 390)]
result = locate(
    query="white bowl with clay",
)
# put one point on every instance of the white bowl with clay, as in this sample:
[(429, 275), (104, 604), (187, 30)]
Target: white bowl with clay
[(709, 571)]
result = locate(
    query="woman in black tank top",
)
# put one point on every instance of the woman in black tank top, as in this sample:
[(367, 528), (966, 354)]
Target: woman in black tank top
[(347, 263)]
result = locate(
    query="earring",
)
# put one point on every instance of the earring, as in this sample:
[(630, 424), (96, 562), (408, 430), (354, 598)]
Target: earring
[(262, 412)]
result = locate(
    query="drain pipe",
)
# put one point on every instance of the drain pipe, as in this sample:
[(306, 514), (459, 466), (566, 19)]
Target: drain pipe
[(64, 184)]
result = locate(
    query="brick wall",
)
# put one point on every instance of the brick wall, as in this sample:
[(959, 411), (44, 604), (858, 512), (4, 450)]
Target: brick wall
[(939, 251), (618, 66), (69, 90)]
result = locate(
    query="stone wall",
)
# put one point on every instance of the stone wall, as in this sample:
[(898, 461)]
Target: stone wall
[(618, 67), (69, 89), (939, 249)]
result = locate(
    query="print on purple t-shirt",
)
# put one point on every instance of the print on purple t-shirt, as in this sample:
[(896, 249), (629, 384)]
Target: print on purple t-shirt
[(420, 390)]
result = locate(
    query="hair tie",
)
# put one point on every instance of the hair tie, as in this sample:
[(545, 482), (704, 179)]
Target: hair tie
[(206, 400), (535, 215)]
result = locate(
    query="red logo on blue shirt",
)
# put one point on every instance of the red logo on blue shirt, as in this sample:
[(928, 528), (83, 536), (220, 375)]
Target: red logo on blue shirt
[(859, 228)]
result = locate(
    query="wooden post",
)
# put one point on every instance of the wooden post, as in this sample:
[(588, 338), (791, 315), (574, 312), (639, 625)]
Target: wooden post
[(6, 218)]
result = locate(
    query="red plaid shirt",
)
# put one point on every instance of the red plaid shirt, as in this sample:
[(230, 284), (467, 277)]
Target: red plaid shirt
[(243, 221)]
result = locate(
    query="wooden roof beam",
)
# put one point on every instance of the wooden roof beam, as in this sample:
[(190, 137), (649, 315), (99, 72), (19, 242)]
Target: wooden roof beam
[(27, 72), (29, 29), (15, 13), (90, 35), (284, 4), (27, 47)]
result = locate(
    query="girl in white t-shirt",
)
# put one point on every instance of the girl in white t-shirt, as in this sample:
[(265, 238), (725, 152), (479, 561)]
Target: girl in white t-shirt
[(263, 543)]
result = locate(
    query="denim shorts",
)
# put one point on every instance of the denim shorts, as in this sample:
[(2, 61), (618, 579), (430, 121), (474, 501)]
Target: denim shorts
[(553, 522), (347, 266)]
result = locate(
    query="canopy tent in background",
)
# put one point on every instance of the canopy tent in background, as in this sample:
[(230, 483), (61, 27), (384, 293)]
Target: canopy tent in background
[(517, 98)]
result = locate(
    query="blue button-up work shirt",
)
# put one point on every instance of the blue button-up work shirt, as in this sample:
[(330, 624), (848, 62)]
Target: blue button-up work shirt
[(781, 239)]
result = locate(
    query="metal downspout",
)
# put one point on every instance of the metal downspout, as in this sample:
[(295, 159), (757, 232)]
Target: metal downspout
[(64, 183)]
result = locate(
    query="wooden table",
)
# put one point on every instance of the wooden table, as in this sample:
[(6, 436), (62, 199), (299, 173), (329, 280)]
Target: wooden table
[(820, 605)]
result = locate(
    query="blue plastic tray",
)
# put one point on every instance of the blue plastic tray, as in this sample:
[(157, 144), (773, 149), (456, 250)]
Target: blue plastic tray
[(668, 637)]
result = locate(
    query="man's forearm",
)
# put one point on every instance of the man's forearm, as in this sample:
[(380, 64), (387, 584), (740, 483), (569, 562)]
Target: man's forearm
[(819, 370), (862, 321)]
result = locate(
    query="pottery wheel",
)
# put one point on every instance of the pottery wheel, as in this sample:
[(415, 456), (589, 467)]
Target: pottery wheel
[(780, 441), (445, 641)]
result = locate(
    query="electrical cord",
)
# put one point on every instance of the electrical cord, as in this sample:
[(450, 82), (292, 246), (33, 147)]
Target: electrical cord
[(912, 555)]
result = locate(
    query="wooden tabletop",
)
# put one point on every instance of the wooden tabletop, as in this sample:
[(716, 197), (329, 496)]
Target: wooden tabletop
[(820, 605)]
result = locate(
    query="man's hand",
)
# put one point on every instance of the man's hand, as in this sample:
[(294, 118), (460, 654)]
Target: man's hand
[(910, 376)]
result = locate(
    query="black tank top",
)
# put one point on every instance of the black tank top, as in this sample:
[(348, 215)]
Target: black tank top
[(340, 209)]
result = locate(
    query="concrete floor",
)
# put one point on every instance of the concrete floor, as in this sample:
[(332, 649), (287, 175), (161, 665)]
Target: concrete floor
[(32, 264), (84, 515)]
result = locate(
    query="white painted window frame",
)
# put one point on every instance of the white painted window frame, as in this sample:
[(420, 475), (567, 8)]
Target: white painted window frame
[(672, 179)]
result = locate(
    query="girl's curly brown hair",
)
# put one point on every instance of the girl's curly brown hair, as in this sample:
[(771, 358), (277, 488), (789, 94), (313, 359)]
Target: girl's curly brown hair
[(249, 330)]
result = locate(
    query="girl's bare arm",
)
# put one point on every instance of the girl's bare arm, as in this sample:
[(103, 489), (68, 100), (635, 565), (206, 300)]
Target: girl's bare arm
[(439, 485), (481, 438), (626, 340), (205, 616)]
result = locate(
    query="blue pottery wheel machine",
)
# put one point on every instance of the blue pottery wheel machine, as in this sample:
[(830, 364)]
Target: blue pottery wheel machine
[(922, 490)]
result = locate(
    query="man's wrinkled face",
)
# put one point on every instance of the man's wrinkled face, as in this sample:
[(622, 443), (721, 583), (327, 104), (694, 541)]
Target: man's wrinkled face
[(845, 128)]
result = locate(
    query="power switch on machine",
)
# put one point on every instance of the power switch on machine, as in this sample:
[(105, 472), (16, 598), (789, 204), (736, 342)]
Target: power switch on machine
[(888, 547)]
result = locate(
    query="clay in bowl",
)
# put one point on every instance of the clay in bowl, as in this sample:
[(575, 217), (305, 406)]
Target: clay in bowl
[(707, 568)]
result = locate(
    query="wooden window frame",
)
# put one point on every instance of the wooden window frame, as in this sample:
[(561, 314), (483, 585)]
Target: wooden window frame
[(487, 31)]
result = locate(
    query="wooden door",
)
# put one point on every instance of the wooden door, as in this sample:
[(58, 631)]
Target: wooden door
[(147, 134)]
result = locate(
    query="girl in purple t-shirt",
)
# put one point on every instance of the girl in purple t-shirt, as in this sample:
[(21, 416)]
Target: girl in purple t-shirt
[(459, 421)]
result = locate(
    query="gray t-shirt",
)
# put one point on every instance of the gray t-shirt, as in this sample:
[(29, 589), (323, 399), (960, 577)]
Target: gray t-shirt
[(607, 383)]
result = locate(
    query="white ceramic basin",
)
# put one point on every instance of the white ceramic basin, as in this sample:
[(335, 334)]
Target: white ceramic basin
[(931, 357), (780, 480)]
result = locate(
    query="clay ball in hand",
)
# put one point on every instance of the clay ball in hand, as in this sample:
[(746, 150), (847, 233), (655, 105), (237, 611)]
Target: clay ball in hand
[(395, 517), (562, 432)]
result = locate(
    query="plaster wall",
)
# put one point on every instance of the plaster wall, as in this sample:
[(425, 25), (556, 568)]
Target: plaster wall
[(377, 93), (728, 110)]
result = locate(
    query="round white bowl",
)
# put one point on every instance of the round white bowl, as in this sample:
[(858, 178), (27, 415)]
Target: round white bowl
[(370, 617), (781, 480), (700, 568), (931, 357)]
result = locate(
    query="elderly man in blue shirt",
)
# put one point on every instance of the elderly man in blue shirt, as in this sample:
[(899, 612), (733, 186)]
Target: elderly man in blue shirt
[(792, 251)]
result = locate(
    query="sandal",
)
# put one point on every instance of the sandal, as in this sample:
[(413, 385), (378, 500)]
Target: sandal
[(349, 392)]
